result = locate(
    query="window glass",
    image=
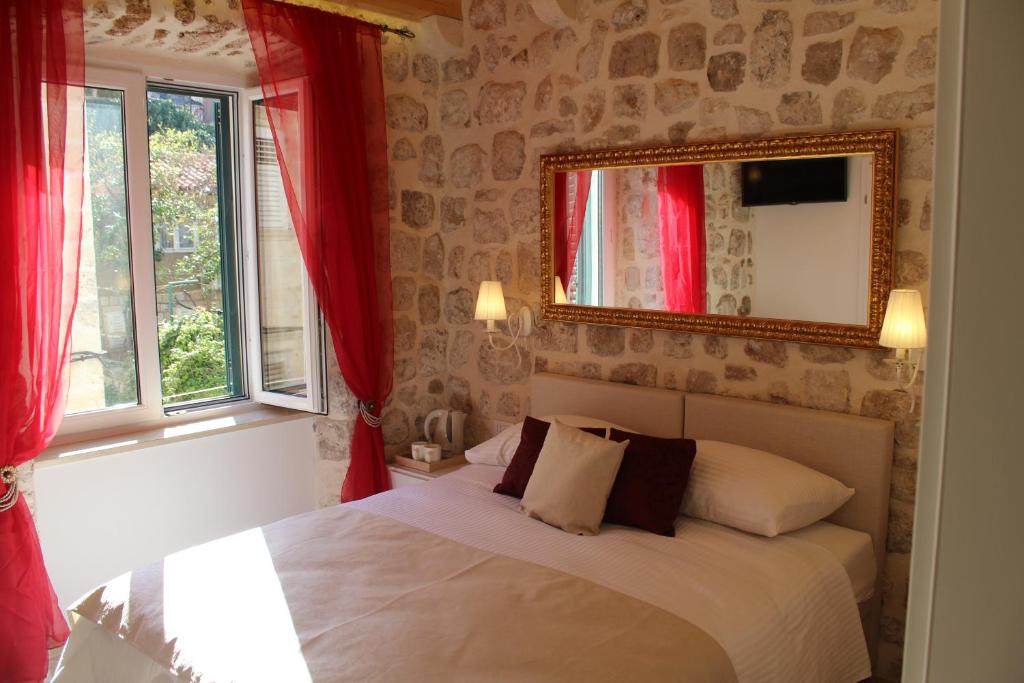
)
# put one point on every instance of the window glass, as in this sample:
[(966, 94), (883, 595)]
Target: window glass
[(103, 366), (191, 187), (588, 273), (281, 273)]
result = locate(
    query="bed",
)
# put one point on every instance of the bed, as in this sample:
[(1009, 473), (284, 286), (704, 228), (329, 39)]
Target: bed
[(448, 581)]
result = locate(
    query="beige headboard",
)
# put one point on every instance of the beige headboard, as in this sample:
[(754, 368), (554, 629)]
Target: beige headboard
[(855, 450), (658, 412)]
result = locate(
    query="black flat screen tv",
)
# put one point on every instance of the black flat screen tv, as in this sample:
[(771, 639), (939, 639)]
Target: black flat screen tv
[(794, 181)]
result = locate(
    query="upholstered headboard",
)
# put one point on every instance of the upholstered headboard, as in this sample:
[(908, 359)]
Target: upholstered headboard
[(658, 412), (855, 450)]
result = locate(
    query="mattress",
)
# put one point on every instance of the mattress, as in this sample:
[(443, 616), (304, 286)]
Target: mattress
[(852, 548), (781, 609)]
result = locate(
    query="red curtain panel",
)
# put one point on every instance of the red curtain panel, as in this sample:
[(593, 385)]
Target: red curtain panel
[(42, 121), (323, 87), (570, 211), (681, 223)]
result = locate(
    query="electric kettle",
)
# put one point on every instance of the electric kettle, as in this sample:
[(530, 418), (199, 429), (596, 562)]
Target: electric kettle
[(448, 432)]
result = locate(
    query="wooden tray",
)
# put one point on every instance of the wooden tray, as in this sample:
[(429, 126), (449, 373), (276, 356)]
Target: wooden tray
[(419, 465)]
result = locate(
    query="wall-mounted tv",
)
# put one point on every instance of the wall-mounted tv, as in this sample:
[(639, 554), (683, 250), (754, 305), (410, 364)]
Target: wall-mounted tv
[(794, 181)]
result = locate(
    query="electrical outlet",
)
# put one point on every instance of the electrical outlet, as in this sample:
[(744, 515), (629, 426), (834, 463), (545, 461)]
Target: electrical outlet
[(498, 426)]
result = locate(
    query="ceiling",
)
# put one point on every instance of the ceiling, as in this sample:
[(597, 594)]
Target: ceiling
[(212, 32)]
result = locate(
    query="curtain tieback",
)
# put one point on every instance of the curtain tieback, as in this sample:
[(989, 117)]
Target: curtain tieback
[(9, 476), (366, 409)]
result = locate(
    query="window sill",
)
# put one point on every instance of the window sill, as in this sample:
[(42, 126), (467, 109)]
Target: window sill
[(93, 447)]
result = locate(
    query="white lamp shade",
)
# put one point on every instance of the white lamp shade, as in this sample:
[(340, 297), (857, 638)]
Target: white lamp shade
[(490, 302), (903, 327), (559, 291)]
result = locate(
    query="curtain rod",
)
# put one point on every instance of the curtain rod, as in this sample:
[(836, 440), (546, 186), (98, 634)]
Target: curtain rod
[(338, 8), (403, 31)]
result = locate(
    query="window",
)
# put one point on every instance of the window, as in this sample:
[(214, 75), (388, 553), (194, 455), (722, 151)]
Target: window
[(288, 339), (191, 181), (103, 370), (589, 271), (192, 291)]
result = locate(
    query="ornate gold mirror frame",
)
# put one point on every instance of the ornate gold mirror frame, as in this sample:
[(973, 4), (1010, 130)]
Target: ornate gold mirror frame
[(882, 145)]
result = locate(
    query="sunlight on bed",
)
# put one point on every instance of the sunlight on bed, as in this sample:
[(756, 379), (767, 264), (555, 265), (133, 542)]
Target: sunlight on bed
[(224, 604)]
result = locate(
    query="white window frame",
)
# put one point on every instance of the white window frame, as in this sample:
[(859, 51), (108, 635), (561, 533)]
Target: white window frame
[(313, 336), (140, 240), (150, 411)]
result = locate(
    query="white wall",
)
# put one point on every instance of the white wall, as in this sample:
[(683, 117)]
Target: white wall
[(100, 517), (966, 616), (812, 259)]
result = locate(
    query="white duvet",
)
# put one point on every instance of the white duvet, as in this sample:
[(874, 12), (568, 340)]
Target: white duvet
[(782, 608)]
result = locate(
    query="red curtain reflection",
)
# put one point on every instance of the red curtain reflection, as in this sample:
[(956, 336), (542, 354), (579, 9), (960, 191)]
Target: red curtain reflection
[(681, 223), (572, 190)]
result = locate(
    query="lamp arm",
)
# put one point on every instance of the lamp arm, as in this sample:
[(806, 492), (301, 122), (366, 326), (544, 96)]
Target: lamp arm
[(915, 365), (902, 364), (515, 338)]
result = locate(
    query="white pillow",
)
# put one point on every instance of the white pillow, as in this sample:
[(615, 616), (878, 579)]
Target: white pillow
[(497, 450), (759, 492), (571, 481), (500, 449)]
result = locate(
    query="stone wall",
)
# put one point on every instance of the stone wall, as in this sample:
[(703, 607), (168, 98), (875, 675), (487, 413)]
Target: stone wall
[(729, 242), (208, 33), (637, 260), (467, 132)]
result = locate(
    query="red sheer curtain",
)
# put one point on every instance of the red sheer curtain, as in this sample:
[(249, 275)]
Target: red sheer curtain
[(681, 223), (42, 137), (324, 93), (570, 210)]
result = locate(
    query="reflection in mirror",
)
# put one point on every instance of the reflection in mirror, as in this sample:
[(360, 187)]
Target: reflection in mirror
[(777, 238)]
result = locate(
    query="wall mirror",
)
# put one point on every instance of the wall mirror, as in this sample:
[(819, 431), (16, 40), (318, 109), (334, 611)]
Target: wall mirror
[(778, 238)]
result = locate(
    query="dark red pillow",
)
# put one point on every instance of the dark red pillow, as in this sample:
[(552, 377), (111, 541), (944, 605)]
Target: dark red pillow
[(518, 473), (648, 489)]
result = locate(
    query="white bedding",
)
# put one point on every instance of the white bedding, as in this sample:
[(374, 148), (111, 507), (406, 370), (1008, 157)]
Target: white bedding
[(852, 548), (782, 608)]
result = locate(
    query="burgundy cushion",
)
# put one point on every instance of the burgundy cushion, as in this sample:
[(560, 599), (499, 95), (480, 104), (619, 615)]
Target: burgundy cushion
[(518, 473), (648, 489)]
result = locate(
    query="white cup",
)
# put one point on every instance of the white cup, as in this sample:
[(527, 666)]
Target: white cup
[(431, 453), (417, 450)]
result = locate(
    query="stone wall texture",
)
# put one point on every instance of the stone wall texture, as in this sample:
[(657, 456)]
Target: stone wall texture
[(203, 32), (636, 262), (467, 131), (730, 239)]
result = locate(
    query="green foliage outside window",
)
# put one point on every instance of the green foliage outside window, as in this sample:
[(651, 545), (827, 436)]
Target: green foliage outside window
[(192, 357), (184, 193)]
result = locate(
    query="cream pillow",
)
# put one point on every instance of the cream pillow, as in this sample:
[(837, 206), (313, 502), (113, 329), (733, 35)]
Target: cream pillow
[(571, 481), (756, 491)]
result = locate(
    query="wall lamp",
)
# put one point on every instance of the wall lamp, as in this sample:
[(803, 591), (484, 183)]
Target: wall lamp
[(490, 306), (904, 330), (559, 291)]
